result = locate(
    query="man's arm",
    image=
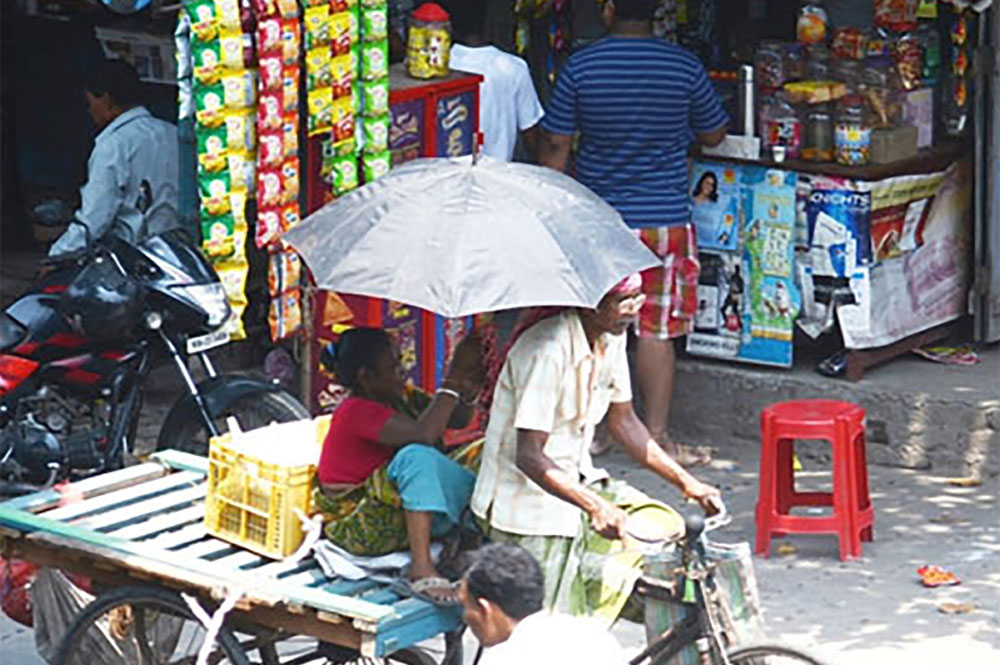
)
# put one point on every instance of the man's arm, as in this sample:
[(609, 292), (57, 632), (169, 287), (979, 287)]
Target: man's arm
[(529, 137), (607, 520), (100, 200), (553, 150), (713, 138), (627, 428)]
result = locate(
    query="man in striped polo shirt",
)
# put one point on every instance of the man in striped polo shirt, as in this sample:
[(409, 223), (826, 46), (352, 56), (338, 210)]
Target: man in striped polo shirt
[(637, 104)]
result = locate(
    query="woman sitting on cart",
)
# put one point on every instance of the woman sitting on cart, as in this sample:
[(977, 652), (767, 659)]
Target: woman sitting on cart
[(385, 485)]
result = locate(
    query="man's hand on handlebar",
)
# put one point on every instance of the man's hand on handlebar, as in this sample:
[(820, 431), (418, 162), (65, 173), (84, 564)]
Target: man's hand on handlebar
[(710, 498)]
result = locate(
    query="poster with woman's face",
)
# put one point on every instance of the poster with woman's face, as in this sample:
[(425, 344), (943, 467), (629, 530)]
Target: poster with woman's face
[(715, 206)]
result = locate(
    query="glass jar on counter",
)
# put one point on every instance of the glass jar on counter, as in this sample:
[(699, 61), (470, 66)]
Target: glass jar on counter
[(881, 88), (769, 65), (781, 126), (853, 132), (817, 141)]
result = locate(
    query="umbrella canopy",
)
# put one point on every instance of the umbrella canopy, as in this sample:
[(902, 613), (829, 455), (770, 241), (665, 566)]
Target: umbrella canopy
[(458, 238)]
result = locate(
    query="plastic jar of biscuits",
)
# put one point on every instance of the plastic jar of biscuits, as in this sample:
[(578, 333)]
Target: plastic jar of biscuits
[(428, 48), (853, 132), (880, 87)]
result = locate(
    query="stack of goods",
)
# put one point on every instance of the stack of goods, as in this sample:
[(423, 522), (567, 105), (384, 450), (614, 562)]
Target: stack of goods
[(224, 91), (278, 45), (374, 89), (560, 20)]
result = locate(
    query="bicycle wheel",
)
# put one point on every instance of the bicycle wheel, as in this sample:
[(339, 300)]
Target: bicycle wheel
[(771, 654), (141, 626)]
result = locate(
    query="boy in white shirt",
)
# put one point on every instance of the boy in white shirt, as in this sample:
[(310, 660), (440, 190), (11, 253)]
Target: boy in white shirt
[(508, 104)]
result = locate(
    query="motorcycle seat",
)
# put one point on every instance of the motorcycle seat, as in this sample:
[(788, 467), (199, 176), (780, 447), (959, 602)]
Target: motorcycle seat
[(11, 332)]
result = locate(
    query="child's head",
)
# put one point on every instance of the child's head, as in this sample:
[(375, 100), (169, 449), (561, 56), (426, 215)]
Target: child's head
[(365, 362)]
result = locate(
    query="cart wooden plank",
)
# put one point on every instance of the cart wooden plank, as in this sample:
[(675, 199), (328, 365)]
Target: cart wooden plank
[(127, 496), (89, 488), (143, 511), (181, 538), (162, 525)]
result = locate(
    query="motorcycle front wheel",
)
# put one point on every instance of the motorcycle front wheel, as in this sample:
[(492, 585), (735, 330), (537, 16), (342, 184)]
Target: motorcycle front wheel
[(251, 411)]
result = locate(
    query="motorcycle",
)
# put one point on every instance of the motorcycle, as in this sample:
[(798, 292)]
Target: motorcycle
[(76, 350)]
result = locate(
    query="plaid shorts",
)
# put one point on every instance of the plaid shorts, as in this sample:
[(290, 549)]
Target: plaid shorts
[(671, 289)]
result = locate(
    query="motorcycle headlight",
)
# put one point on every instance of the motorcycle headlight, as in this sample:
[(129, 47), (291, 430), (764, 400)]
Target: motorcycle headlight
[(211, 298)]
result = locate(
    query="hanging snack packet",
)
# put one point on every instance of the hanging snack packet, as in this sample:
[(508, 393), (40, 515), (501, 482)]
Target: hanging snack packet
[(272, 149), (227, 14), (375, 97), (240, 131), (290, 217), (340, 33), (292, 268), (354, 25), (238, 202), (240, 89), (235, 324), (207, 66), (290, 90), (217, 235), (269, 190), (214, 189), (341, 76), (271, 74), (242, 171), (269, 112), (345, 174), (239, 243), (203, 20), (376, 165), (288, 8), (269, 37), (290, 182), (373, 3), (268, 227), (328, 157), (233, 275), (343, 120), (320, 111), (317, 27), (275, 276), (291, 313), (376, 132), (291, 40), (375, 23), (375, 60), (209, 105), (211, 149), (290, 135), (231, 49), (318, 69), (337, 6)]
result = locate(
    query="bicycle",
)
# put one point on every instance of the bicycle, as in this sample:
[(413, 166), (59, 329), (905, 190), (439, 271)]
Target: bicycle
[(700, 626)]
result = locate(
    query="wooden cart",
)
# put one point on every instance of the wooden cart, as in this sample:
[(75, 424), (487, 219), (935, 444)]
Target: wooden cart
[(139, 534)]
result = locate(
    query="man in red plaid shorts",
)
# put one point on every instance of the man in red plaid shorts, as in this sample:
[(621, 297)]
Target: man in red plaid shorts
[(637, 103)]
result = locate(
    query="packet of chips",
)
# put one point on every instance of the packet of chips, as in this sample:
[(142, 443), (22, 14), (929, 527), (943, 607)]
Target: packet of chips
[(344, 176), (283, 271), (376, 165), (268, 227), (217, 235), (371, 3), (375, 60), (290, 181), (290, 217), (207, 61), (376, 133), (235, 324), (269, 36), (290, 135), (375, 97), (288, 8), (271, 74), (238, 205), (242, 171), (291, 42), (272, 149), (214, 189), (341, 76), (239, 89), (354, 25), (317, 27), (270, 192), (290, 90), (241, 134), (211, 143), (233, 275), (269, 112), (209, 104), (231, 49), (203, 19), (340, 33), (227, 14), (285, 316), (318, 69), (343, 120), (375, 23), (320, 111)]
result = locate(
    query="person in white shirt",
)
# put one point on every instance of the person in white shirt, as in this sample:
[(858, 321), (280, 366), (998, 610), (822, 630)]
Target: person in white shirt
[(502, 593), (131, 189), (508, 103)]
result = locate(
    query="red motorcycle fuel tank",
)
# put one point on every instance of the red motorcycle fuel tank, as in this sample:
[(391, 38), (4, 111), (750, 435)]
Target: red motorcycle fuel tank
[(14, 370)]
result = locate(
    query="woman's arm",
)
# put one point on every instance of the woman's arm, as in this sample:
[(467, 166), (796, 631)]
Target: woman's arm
[(400, 431)]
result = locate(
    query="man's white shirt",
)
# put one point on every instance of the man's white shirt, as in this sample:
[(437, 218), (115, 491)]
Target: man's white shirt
[(545, 639), (508, 102)]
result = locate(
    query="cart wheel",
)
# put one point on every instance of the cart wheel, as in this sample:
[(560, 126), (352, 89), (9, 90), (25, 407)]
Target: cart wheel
[(141, 626)]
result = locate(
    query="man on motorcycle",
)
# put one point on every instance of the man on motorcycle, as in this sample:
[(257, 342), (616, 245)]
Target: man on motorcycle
[(131, 188)]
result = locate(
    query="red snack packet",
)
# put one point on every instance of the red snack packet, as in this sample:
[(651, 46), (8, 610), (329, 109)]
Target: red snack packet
[(272, 150), (269, 112), (268, 227), (270, 192), (271, 73), (269, 38)]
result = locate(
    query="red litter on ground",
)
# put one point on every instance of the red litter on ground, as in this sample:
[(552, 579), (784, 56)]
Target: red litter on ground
[(932, 576)]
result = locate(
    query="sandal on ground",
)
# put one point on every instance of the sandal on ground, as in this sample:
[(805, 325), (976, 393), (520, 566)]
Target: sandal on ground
[(688, 456), (421, 589)]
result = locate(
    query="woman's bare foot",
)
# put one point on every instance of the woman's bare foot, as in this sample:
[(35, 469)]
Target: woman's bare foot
[(424, 579), (687, 456)]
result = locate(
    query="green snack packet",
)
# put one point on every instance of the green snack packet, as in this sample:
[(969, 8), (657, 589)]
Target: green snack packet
[(207, 57), (371, 4), (214, 189), (356, 100), (375, 97), (209, 104), (376, 132), (211, 148), (217, 235), (375, 60), (376, 165), (345, 174), (355, 25), (203, 20), (375, 23)]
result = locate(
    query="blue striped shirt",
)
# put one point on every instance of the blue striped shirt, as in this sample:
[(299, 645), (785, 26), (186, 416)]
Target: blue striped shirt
[(637, 104)]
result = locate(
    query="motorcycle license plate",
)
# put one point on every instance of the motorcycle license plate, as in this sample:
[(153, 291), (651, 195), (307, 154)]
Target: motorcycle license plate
[(203, 343)]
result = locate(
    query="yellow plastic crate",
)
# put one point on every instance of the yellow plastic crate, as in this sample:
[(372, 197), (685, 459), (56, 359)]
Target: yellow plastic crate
[(258, 480)]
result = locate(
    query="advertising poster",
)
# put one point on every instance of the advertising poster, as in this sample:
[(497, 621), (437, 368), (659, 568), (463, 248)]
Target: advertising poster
[(747, 299), (839, 231), (715, 205)]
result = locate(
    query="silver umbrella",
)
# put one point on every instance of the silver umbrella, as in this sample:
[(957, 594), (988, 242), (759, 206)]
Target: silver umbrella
[(457, 238)]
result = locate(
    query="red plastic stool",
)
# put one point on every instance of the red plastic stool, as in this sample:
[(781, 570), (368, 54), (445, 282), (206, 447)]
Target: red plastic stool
[(843, 425)]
